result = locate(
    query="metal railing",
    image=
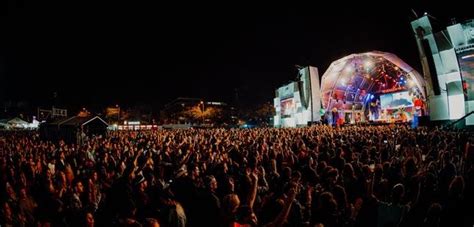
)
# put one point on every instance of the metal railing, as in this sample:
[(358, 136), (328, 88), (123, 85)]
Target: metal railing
[(451, 124)]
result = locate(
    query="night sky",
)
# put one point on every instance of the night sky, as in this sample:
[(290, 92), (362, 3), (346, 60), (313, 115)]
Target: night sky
[(98, 54)]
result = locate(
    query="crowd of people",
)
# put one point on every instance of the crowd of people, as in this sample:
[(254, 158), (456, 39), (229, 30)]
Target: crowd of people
[(365, 176)]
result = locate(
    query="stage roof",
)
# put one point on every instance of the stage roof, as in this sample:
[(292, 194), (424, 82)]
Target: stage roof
[(351, 81)]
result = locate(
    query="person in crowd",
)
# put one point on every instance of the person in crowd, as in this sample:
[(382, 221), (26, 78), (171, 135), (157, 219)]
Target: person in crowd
[(352, 175)]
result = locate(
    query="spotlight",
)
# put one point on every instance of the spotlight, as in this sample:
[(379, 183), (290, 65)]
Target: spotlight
[(343, 81), (368, 64)]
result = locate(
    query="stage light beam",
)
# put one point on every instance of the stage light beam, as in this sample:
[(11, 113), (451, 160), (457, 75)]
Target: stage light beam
[(368, 64)]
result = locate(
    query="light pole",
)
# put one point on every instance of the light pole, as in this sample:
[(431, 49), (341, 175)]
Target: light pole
[(118, 114)]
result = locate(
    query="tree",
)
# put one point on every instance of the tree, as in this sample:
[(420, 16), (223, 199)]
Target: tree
[(197, 113), (257, 115), (265, 111)]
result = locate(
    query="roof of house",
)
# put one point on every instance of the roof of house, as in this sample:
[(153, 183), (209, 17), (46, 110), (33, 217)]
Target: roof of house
[(77, 121)]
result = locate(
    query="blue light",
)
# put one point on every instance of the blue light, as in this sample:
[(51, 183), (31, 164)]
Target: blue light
[(369, 97)]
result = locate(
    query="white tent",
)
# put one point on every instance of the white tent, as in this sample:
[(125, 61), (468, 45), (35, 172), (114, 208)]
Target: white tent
[(17, 123)]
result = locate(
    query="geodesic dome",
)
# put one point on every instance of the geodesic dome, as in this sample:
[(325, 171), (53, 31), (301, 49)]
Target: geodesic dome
[(351, 81)]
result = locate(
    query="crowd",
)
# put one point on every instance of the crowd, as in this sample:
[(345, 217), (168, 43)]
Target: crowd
[(316, 176)]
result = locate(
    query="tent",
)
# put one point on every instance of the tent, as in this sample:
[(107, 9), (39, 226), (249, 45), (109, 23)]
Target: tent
[(18, 123), (74, 129), (3, 124), (13, 123)]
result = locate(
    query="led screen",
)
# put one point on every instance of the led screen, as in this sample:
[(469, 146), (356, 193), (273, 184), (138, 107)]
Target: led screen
[(466, 63), (287, 107), (396, 100)]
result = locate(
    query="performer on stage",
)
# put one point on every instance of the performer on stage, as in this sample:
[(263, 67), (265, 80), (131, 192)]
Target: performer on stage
[(383, 116), (374, 109), (335, 116), (417, 111), (418, 103)]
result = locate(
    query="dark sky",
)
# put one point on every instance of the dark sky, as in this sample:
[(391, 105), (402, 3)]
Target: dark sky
[(98, 54)]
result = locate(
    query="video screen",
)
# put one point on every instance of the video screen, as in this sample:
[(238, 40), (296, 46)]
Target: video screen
[(466, 63), (396, 100), (287, 107)]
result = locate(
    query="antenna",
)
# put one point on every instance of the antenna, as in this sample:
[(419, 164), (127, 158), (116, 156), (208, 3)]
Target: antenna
[(431, 17), (414, 13)]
